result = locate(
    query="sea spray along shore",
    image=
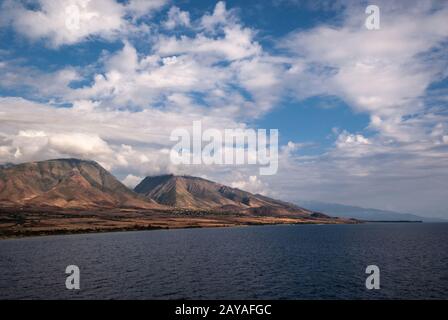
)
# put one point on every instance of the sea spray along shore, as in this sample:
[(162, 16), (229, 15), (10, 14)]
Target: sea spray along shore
[(78, 196)]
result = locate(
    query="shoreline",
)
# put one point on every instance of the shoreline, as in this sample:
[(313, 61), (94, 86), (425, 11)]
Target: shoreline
[(193, 223)]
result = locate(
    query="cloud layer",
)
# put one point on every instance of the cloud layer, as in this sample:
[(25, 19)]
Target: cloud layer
[(121, 109)]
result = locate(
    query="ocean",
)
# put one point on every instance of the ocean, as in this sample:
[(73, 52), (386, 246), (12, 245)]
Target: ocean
[(257, 262)]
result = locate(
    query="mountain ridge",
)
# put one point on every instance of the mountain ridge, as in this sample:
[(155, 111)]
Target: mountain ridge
[(184, 191), (62, 196), (65, 183), (368, 214)]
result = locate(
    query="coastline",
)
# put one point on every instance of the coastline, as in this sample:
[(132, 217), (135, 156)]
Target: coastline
[(36, 224)]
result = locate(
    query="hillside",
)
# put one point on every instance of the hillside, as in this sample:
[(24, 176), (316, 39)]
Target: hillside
[(198, 193), (65, 183), (74, 196)]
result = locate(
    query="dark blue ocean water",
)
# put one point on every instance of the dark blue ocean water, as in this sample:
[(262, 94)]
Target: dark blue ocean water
[(264, 262)]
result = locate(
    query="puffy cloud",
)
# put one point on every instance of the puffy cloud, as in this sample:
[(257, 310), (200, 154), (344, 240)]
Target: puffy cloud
[(387, 74), (252, 184), (228, 70), (124, 61), (176, 18), (382, 72), (71, 21), (79, 144), (129, 142), (30, 144), (216, 71), (237, 43), (219, 16), (138, 8), (346, 140), (131, 181)]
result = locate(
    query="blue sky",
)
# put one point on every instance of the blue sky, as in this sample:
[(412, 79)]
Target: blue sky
[(309, 120), (362, 114)]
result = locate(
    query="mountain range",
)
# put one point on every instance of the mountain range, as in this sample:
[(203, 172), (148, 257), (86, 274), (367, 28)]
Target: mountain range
[(81, 184), (72, 195), (368, 214)]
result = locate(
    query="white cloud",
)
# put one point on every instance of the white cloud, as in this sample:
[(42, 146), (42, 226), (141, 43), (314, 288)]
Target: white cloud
[(176, 18), (79, 144), (237, 43), (131, 181), (125, 60), (217, 72), (30, 144), (139, 8), (72, 21), (132, 142), (345, 139), (229, 70), (384, 72), (218, 68), (252, 184)]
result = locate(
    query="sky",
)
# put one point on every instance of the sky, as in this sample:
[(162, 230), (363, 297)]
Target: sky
[(362, 114)]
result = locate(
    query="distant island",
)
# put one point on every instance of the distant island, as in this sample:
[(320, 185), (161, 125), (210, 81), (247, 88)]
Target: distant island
[(394, 221), (64, 196), (365, 214)]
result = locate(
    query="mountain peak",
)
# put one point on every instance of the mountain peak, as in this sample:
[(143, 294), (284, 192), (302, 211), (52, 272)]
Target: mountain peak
[(65, 183), (198, 193)]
